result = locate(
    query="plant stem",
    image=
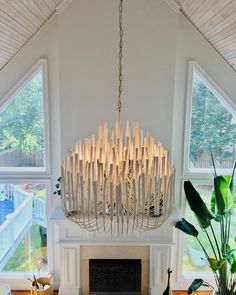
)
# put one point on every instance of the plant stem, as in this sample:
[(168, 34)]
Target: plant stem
[(205, 252), (223, 278), (211, 243), (210, 286), (216, 280), (226, 233), (213, 163), (217, 246), (229, 225), (221, 232)]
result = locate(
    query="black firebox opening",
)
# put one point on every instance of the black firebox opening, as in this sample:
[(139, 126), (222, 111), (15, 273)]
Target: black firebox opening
[(115, 275)]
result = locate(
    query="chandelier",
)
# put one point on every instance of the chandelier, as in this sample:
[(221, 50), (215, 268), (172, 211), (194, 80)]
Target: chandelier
[(121, 181)]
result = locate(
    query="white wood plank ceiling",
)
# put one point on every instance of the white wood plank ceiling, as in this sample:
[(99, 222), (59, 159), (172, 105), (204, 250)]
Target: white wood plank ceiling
[(216, 20), (19, 21)]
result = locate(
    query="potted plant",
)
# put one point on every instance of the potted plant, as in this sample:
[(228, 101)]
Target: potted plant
[(221, 258)]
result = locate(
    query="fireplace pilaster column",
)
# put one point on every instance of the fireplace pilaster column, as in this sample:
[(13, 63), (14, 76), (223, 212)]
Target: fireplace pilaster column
[(70, 270), (159, 263)]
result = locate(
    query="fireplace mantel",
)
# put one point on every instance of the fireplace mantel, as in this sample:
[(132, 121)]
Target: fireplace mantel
[(70, 238)]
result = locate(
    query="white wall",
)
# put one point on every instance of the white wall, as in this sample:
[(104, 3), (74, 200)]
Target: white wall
[(88, 50), (81, 47)]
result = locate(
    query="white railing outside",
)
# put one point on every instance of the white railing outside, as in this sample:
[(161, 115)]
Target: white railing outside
[(13, 193), (27, 208), (6, 191), (14, 225), (39, 208), (19, 196)]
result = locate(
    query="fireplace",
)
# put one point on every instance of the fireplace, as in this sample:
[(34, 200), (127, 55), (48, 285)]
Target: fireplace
[(115, 276), (76, 248), (121, 259)]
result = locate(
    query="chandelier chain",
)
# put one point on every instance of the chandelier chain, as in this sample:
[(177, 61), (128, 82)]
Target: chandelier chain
[(120, 57)]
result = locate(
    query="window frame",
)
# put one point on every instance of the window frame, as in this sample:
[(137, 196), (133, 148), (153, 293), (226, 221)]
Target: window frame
[(197, 176), (29, 175), (44, 172), (194, 67)]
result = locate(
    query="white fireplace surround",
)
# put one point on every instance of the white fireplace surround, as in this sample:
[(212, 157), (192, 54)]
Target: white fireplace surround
[(71, 239)]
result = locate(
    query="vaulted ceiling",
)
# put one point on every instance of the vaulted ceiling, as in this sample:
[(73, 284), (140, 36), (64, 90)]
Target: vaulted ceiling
[(216, 20), (21, 19)]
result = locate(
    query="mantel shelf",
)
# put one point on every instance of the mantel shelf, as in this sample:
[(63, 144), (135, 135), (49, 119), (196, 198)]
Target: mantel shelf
[(118, 243)]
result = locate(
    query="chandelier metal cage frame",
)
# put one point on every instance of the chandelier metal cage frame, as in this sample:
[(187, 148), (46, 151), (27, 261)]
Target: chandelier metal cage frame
[(120, 182)]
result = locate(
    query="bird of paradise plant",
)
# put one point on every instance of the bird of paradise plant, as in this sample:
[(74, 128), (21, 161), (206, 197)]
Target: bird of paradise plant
[(222, 262)]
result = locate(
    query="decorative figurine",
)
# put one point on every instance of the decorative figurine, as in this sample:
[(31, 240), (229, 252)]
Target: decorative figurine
[(167, 290)]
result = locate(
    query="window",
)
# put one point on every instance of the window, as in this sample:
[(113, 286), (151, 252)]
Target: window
[(22, 126), (23, 227), (22, 141), (210, 126), (23, 154)]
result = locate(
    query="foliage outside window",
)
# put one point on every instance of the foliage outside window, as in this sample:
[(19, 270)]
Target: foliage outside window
[(213, 128), (22, 140)]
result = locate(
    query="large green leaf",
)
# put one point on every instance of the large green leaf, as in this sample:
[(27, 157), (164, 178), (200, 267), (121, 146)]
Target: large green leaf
[(213, 207), (230, 255), (216, 264), (196, 284), (233, 267), (186, 227), (197, 205), (231, 184), (213, 202), (223, 196)]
